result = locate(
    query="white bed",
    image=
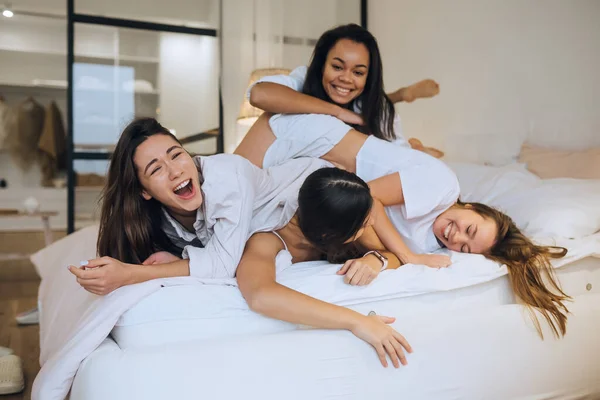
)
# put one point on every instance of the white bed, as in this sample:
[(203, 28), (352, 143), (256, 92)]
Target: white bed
[(183, 339), (187, 312), (488, 353)]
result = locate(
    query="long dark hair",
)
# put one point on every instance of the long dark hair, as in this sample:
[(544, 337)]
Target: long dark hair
[(333, 205), (130, 226), (376, 108), (529, 270)]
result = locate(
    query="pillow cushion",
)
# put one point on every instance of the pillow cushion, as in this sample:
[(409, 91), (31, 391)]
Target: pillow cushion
[(567, 208), (550, 163)]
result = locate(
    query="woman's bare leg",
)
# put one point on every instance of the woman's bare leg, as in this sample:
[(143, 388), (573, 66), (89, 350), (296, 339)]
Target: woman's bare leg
[(256, 142), (420, 90), (432, 151)]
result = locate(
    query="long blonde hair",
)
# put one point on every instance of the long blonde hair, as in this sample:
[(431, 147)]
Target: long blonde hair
[(529, 269)]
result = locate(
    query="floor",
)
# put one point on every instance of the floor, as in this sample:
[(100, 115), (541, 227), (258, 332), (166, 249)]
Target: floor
[(18, 292), (16, 297)]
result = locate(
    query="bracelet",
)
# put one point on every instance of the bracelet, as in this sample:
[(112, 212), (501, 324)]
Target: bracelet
[(380, 257)]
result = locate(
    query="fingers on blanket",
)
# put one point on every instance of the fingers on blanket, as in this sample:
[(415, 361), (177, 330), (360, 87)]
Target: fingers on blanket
[(403, 342), (393, 347), (359, 273), (392, 353), (381, 354), (345, 267), (399, 352)]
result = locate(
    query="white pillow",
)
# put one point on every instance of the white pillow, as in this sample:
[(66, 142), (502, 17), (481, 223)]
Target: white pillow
[(71, 249), (567, 208), (559, 207), (484, 184)]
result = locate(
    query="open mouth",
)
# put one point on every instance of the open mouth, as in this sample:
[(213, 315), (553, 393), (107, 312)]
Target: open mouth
[(341, 91), (447, 231), (185, 190)]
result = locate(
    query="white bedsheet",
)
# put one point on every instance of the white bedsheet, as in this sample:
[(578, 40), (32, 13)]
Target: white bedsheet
[(74, 322), (491, 354), (191, 313)]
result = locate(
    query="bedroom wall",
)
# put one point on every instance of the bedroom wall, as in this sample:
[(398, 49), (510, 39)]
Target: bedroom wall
[(251, 38), (509, 70)]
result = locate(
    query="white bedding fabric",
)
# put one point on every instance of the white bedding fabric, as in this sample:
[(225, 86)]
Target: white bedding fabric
[(491, 354), (74, 322), (540, 207), (80, 321), (189, 312)]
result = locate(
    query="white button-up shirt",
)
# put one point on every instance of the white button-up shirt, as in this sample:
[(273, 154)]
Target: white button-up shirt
[(240, 199)]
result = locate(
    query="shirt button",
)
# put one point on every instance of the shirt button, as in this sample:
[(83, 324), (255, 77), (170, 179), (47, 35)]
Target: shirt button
[(588, 287)]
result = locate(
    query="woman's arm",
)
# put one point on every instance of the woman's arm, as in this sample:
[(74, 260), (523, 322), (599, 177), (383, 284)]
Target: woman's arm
[(388, 189), (256, 279), (279, 99), (392, 241), (362, 271), (105, 274)]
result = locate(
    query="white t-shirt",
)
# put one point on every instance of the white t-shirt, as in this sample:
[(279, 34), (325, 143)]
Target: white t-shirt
[(295, 80), (240, 199), (429, 187)]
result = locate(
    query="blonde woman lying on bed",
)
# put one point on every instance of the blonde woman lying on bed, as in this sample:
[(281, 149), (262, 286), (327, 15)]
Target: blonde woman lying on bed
[(159, 201), (420, 192)]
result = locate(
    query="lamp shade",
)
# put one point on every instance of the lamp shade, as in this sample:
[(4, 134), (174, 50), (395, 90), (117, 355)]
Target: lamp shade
[(247, 110)]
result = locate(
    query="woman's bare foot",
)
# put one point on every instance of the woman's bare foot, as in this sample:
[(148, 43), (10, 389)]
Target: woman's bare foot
[(420, 90), (416, 144)]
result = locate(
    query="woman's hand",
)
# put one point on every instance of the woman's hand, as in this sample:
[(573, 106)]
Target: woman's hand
[(161, 257), (102, 275), (430, 260), (349, 117), (361, 271), (376, 331)]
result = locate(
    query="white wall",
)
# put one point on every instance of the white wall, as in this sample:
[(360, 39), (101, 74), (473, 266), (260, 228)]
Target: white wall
[(270, 20), (189, 85), (509, 70)]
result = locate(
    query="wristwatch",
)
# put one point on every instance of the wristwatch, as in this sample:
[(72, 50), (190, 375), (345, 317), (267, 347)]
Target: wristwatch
[(381, 257)]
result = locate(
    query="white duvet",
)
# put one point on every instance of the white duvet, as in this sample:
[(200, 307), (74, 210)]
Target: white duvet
[(74, 322)]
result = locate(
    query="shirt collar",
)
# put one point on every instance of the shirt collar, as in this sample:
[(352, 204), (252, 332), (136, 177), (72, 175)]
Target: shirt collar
[(180, 230)]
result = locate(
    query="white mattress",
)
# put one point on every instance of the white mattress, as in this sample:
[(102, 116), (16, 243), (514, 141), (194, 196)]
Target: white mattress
[(193, 312), (490, 353)]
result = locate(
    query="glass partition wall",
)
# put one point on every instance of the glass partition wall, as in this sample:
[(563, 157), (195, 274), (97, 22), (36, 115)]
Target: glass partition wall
[(74, 72), (162, 62)]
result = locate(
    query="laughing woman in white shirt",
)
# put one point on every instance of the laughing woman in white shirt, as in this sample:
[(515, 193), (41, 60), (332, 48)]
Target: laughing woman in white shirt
[(420, 193), (160, 203)]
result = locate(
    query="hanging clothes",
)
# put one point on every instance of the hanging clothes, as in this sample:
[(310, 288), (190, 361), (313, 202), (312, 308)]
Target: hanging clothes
[(22, 142), (52, 145)]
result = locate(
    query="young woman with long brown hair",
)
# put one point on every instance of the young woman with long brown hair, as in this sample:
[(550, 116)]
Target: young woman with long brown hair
[(160, 203), (419, 192)]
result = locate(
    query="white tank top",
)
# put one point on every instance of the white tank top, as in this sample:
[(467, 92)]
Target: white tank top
[(283, 260)]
